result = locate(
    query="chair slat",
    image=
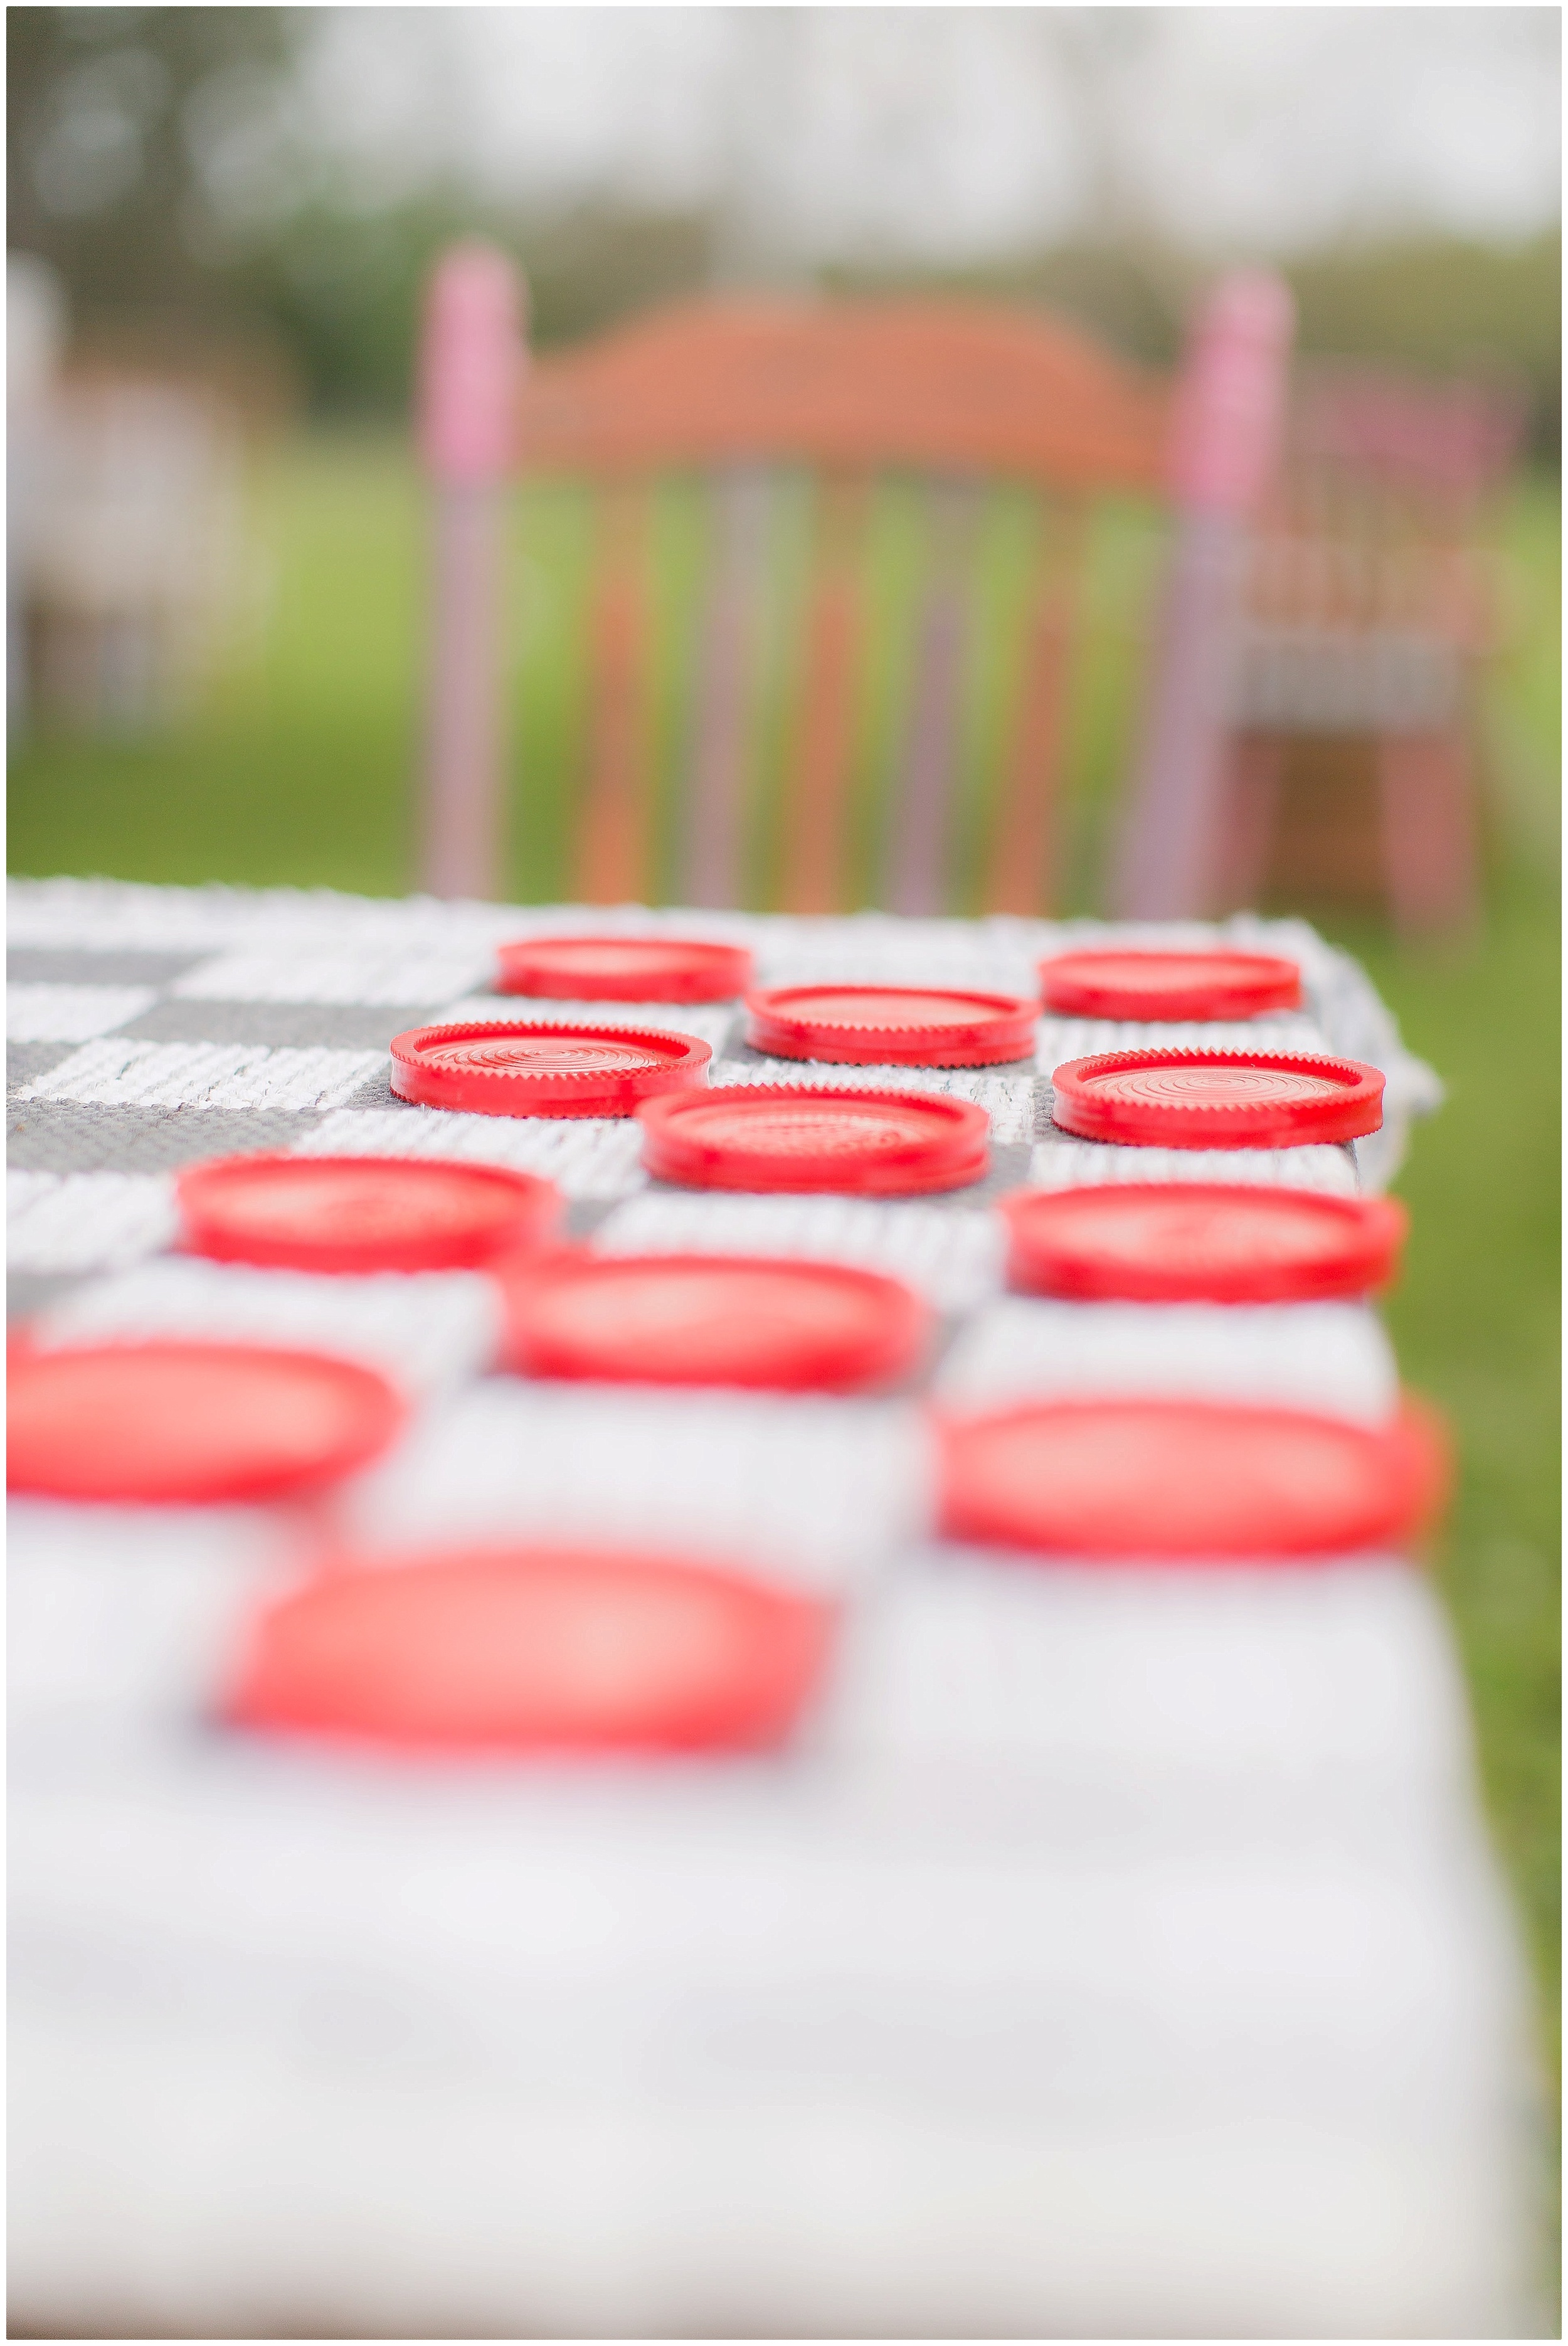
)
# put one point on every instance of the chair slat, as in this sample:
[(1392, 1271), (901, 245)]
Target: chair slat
[(1021, 875), (613, 856), (713, 847), (816, 808), (920, 831)]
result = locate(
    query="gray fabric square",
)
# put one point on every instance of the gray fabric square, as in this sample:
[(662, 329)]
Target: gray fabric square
[(68, 966), (333, 1025), (63, 1137)]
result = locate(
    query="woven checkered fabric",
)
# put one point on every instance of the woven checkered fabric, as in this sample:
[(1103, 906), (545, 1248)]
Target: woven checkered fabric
[(1114, 1953)]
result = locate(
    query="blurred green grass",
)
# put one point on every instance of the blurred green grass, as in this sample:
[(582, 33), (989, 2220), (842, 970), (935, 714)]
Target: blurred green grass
[(303, 770)]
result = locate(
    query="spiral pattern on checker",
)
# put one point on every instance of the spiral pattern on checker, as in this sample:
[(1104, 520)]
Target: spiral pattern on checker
[(1175, 1086), (518, 1054)]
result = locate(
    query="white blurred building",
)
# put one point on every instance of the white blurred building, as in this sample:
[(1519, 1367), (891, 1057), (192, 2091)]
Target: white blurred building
[(129, 567)]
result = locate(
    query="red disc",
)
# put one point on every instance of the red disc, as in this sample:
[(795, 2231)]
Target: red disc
[(1175, 1479), (166, 1423), (361, 1213), (713, 1319), (625, 969), (1216, 1099), (903, 1025), (1178, 1242), (777, 1137), (1129, 984), (532, 1650), (488, 1070)]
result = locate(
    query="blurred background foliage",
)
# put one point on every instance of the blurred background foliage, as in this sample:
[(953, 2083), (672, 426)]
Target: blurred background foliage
[(128, 127)]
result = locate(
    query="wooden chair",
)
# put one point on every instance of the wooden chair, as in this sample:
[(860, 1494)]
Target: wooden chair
[(1367, 608), (959, 394)]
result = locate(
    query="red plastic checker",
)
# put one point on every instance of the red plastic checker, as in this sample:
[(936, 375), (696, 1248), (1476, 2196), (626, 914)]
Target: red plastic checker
[(1175, 1241), (1216, 1099), (713, 1319), (782, 1136), (903, 1025), (361, 1213), (1175, 1479), (490, 1070), (532, 1650), (1132, 985), (625, 969), (169, 1422)]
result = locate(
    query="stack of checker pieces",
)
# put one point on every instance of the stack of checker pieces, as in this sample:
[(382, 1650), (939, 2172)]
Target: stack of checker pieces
[(1144, 1882)]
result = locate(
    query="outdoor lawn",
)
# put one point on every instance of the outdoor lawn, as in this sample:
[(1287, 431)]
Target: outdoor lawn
[(303, 771)]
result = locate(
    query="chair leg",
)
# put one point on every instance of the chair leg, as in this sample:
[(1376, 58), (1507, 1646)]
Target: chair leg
[(1427, 799), (465, 756)]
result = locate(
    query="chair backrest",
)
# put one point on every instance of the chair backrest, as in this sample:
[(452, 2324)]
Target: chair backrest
[(1376, 522), (982, 410), (963, 396)]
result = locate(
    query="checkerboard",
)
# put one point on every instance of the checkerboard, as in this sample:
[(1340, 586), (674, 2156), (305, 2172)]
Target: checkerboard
[(1113, 1952)]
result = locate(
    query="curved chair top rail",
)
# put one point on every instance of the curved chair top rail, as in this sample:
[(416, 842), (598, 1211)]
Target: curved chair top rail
[(946, 386)]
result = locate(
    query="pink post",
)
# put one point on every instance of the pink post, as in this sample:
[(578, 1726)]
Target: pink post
[(1224, 438), (471, 372)]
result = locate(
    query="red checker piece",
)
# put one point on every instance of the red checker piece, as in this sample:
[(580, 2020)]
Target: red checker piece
[(532, 1650), (713, 1319), (903, 1025), (1129, 984), (625, 969), (489, 1070), (1179, 1479), (361, 1213), (1216, 1099), (781, 1136), (1179, 1241), (168, 1423)]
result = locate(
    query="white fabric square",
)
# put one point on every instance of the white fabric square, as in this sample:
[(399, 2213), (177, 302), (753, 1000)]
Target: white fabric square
[(1061, 1039), (413, 974), (108, 1073), (132, 1611), (883, 949), (70, 1014), (811, 1489), (1334, 1679), (60, 1222), (424, 1330), (952, 1258), (1062, 1161), (1329, 1357), (586, 1156)]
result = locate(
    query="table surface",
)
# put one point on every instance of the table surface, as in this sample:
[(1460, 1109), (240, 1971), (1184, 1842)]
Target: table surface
[(1112, 1951)]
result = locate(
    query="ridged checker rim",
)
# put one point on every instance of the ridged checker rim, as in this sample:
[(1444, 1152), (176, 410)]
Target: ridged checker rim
[(693, 1052), (1355, 1089)]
